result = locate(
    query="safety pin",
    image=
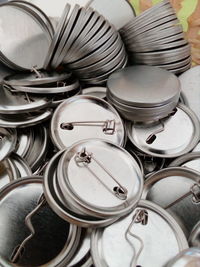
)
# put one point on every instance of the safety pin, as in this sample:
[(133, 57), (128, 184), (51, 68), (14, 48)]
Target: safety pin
[(141, 216), (194, 190), (85, 158), (108, 126), (18, 251), (152, 137)]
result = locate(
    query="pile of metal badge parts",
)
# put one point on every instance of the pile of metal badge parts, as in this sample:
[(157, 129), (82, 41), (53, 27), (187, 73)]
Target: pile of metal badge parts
[(99, 157), (155, 37)]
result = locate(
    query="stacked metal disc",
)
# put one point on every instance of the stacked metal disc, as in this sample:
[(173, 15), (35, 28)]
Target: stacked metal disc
[(97, 161), (143, 93), (156, 38), (26, 34), (88, 44), (54, 86)]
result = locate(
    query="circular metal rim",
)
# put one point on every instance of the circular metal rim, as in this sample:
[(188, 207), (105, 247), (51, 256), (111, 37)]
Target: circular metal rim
[(58, 208), (181, 239), (42, 133), (25, 108), (12, 81), (192, 144), (161, 47), (37, 20), (150, 28), (37, 119), (148, 12), (56, 60), (12, 135), (153, 19), (16, 158), (49, 90), (56, 36), (74, 231), (128, 104), (94, 210), (168, 172), (94, 22), (48, 22), (184, 159), (104, 43), (94, 57), (85, 97)]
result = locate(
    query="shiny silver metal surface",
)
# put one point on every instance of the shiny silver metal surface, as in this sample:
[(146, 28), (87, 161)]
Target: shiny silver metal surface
[(95, 91), (186, 258), (57, 205), (22, 167), (129, 86), (36, 78), (126, 243), (172, 189), (110, 10), (191, 160), (171, 137), (194, 238), (102, 176), (8, 140), (16, 102), (81, 109), (24, 120), (24, 43), (52, 242), (190, 88)]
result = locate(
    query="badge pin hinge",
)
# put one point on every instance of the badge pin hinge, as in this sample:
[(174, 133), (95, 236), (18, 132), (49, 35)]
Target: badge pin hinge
[(84, 158), (108, 126)]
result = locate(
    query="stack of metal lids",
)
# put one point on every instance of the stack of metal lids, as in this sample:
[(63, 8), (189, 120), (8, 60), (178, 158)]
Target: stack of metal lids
[(156, 38), (110, 173), (88, 44), (55, 85), (86, 117), (26, 34), (21, 109), (143, 93)]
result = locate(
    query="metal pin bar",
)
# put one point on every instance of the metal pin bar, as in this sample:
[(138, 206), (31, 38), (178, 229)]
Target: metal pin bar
[(17, 253), (108, 126), (152, 137), (194, 190), (85, 158), (141, 216)]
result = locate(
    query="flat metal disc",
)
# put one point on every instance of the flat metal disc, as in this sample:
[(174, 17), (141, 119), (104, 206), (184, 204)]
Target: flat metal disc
[(152, 246), (189, 257), (176, 182), (17, 200), (57, 35), (110, 10), (32, 79), (57, 206), (12, 103), (27, 38), (95, 109), (179, 134), (24, 120), (128, 86)]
